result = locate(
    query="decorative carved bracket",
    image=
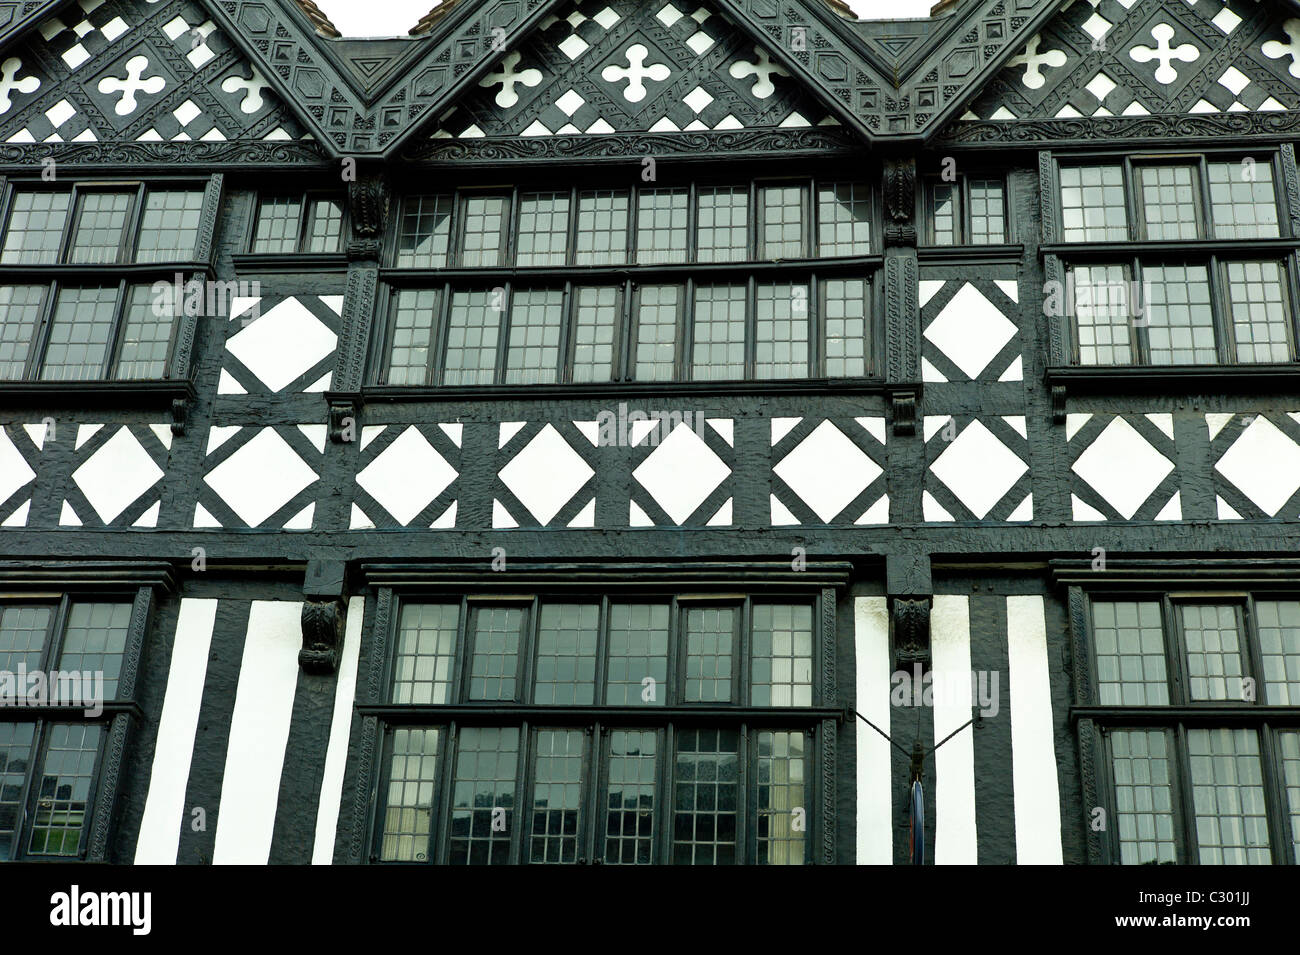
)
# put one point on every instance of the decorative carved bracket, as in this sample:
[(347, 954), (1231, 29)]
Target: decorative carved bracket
[(900, 201), (180, 408), (1058, 404), (911, 624), (903, 406), (324, 613), (368, 201), (343, 418)]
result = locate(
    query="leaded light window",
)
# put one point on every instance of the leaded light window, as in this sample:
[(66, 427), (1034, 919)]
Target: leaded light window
[(289, 223), (966, 210)]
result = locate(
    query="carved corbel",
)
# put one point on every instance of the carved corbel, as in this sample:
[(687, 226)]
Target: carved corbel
[(343, 418), (900, 201), (324, 613), (910, 617), (903, 406), (369, 198)]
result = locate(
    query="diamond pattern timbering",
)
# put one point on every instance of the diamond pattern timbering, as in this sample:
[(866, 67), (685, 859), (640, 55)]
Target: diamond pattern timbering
[(829, 472), (969, 330), (264, 477), (1122, 467), (1256, 464), (277, 344), (406, 476), (1123, 58), (133, 70), (20, 450), (977, 469), (544, 477), (117, 475), (624, 66)]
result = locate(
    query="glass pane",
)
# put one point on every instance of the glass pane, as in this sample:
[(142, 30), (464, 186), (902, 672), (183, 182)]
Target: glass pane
[(415, 315), (1260, 316), (843, 219), (101, 221), (412, 782), (661, 225), (782, 656), (472, 333), (782, 211), (533, 356), (722, 233), (844, 302), (1279, 642), (22, 638), (781, 349), (426, 653), (602, 227), (988, 217), (1288, 744), (79, 331), (543, 228), (424, 232), (1129, 643), (95, 642), (63, 789), (1092, 204), (35, 227), (483, 796), (484, 234), (656, 332), (704, 797), (709, 646), (15, 760), (630, 806), (278, 218), (943, 209), (557, 796), (1213, 652), (1143, 796), (1101, 311), (169, 228), (495, 660), (782, 803), (20, 311), (638, 655), (718, 352), (566, 654), (1169, 200), (146, 335), (1243, 200), (325, 225), (597, 316), (1228, 793)]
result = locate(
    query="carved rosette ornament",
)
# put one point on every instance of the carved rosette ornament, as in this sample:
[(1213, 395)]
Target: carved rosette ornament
[(322, 635)]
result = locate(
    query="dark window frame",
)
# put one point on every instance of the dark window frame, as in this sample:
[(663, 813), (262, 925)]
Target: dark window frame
[(961, 189), (307, 199)]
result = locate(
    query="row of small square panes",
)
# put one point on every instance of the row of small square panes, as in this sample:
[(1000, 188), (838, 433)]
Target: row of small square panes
[(649, 225)]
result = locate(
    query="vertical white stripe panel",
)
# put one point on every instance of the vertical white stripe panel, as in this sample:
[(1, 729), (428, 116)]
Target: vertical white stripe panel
[(954, 761), (336, 754), (1033, 750), (259, 732), (871, 650), (164, 807)]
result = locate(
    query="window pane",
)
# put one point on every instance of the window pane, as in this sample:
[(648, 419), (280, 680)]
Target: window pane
[(1169, 200), (709, 644), (782, 655), (597, 315), (781, 350), (1101, 310), (485, 224), (543, 228), (20, 311), (1243, 200), (782, 770), (1092, 204), (566, 654), (602, 227), (1180, 322), (483, 796), (656, 332), (1228, 793), (638, 650), (1288, 743), (424, 232), (101, 220), (943, 209), (415, 314), (782, 210), (1279, 641), (79, 331), (426, 653), (1143, 796), (35, 227), (843, 219), (169, 228), (1129, 643), (988, 217), (704, 801), (278, 218), (472, 332), (495, 659), (412, 781), (1213, 652), (722, 233), (325, 225), (718, 352), (630, 816), (557, 796), (844, 302), (146, 335), (22, 637), (63, 789), (15, 760), (661, 225), (1260, 316), (95, 642), (534, 353)]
